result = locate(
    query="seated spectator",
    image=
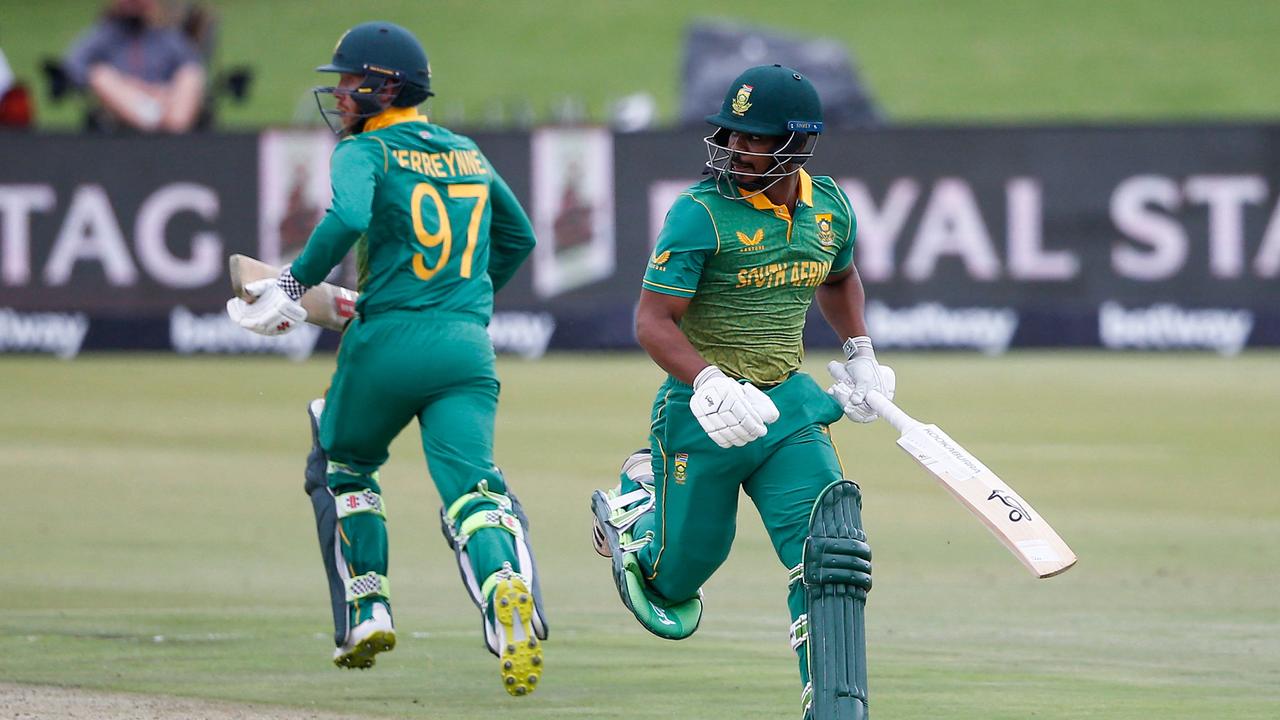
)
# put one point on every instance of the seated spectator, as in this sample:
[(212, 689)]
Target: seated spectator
[(6, 74), (15, 101), (146, 76)]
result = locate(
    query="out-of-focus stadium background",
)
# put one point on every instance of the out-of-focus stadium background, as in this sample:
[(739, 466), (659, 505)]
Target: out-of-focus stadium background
[(1070, 236), (925, 60)]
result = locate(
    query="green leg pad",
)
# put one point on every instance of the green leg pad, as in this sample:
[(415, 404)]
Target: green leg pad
[(666, 619), (837, 577), (662, 617)]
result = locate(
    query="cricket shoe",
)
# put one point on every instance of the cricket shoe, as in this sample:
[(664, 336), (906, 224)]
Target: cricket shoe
[(631, 498), (520, 652), (369, 637)]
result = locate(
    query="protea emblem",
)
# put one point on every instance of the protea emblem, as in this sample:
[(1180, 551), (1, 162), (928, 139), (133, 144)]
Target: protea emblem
[(826, 235), (742, 101)]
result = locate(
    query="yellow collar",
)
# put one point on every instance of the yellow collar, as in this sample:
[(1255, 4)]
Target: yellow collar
[(394, 116), (760, 202)]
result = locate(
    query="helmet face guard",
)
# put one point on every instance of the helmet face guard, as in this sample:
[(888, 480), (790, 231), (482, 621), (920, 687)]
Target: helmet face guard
[(792, 151), (370, 98)]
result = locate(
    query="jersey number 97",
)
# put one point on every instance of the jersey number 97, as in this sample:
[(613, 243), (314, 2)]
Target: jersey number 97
[(443, 236)]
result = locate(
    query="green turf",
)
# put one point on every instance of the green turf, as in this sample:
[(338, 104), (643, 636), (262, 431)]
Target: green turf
[(156, 539), (925, 60)]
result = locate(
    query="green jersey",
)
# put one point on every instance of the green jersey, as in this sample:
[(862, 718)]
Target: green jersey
[(751, 270), (438, 228)]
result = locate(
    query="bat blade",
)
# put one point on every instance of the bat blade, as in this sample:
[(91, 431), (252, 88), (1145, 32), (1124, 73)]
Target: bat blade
[(1006, 514), (328, 306)]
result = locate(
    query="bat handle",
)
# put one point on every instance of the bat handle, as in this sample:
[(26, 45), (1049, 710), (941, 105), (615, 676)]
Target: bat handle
[(897, 417)]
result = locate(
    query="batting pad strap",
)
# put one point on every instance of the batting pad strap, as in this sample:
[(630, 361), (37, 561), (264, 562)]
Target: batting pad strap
[(627, 508), (799, 631), (795, 575), (629, 544), (496, 518), (370, 583), (363, 501), (481, 492), (486, 588), (336, 468)]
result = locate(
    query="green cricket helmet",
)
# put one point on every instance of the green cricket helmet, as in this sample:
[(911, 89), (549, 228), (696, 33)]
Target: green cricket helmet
[(769, 101), (393, 66)]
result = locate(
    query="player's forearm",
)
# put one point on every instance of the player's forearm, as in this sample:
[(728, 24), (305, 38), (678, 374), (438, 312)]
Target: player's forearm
[(326, 247), (669, 348), (841, 302)]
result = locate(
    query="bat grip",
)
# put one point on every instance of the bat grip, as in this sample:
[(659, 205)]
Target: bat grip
[(897, 417)]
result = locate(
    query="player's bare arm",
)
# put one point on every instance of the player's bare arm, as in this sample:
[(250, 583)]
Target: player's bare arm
[(658, 332), (732, 413), (841, 299)]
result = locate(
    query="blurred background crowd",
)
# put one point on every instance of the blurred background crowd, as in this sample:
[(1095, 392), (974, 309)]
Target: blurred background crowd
[(183, 65)]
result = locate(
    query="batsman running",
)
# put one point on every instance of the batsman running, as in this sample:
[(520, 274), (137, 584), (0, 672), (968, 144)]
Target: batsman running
[(436, 232), (738, 262)]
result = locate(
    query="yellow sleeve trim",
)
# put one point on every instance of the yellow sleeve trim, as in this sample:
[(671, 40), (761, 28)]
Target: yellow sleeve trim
[(714, 228), (848, 213), (669, 287), (384, 153)]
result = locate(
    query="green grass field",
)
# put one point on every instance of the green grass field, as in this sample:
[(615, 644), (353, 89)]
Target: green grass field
[(156, 540), (924, 60)]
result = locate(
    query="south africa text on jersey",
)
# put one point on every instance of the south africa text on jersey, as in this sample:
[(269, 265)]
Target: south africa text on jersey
[(442, 164), (801, 273)]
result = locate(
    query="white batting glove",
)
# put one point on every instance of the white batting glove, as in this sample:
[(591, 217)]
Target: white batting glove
[(730, 414), (842, 391), (856, 377), (271, 313), (761, 402)]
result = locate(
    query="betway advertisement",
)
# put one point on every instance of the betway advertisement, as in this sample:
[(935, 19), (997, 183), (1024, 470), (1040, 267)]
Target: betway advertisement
[(990, 238), (1135, 237)]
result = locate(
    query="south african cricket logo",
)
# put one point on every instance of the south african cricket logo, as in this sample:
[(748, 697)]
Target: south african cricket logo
[(826, 235), (742, 101), (682, 466)]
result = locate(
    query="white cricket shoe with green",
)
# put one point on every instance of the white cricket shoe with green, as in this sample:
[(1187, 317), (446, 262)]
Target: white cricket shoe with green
[(372, 635)]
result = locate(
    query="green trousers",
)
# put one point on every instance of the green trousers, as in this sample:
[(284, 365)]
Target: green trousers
[(696, 486), (395, 367)]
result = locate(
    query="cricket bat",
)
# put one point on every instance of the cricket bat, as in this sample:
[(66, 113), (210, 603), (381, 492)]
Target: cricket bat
[(1010, 518), (329, 306)]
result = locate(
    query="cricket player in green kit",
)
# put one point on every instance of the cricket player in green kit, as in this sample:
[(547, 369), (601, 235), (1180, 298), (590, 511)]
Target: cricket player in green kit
[(436, 232), (738, 262)]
